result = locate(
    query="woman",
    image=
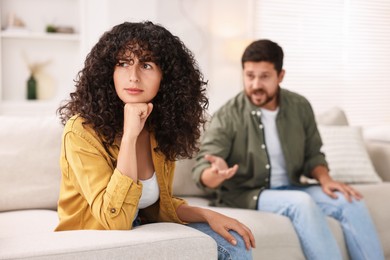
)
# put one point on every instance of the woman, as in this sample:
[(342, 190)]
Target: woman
[(139, 105)]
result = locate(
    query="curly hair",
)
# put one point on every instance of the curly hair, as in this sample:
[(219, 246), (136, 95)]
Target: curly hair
[(179, 106)]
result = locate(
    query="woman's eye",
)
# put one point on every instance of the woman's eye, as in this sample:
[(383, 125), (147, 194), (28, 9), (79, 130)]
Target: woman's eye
[(122, 64), (146, 66)]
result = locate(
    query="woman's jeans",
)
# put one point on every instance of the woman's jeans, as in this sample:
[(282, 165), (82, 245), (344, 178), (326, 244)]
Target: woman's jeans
[(226, 251), (307, 208)]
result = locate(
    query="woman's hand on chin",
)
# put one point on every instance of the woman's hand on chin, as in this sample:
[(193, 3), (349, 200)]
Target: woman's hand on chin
[(135, 115)]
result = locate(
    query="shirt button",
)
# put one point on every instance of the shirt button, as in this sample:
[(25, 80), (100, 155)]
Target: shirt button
[(267, 166), (255, 197), (113, 210), (253, 112), (261, 126), (258, 113), (266, 179), (263, 146)]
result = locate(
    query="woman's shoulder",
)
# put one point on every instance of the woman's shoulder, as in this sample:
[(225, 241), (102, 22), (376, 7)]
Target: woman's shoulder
[(74, 123), (77, 125)]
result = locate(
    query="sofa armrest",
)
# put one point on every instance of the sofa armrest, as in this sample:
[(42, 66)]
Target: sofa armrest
[(379, 152), (378, 145), (152, 241)]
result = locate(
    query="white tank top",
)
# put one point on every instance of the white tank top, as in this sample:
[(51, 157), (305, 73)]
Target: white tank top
[(150, 192)]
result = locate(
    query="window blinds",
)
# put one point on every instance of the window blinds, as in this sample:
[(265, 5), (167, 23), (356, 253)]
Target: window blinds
[(337, 53)]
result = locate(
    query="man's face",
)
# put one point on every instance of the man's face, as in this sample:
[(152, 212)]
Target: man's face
[(261, 83)]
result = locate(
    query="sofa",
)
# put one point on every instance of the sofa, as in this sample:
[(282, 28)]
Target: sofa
[(29, 187)]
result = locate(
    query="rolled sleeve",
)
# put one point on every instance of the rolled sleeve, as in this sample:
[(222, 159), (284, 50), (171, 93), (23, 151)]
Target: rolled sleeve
[(122, 191)]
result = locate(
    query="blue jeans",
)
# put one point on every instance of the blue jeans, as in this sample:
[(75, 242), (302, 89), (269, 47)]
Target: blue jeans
[(307, 208), (226, 251)]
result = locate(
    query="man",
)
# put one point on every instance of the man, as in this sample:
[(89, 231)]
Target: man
[(259, 145)]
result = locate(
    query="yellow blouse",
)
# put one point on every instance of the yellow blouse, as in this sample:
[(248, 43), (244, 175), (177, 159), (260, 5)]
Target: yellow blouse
[(95, 195)]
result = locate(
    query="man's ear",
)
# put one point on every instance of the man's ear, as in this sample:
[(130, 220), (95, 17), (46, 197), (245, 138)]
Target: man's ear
[(281, 75)]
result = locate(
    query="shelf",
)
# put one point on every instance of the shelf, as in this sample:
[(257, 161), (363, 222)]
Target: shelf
[(39, 36), (28, 42), (29, 107)]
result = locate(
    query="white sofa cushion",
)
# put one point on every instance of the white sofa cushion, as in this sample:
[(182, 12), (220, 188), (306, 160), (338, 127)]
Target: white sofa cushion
[(29, 172), (346, 154), (183, 184)]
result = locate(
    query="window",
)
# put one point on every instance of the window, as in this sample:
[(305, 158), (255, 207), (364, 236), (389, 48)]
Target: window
[(336, 53)]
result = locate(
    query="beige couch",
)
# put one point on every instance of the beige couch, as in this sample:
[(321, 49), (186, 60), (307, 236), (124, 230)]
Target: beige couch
[(29, 182), (29, 187)]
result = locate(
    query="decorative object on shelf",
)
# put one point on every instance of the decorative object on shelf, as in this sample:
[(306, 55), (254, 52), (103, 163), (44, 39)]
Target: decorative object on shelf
[(50, 28), (32, 82), (47, 85), (14, 22), (31, 88)]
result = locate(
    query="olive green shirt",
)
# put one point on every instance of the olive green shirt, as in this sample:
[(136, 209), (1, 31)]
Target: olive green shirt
[(236, 134)]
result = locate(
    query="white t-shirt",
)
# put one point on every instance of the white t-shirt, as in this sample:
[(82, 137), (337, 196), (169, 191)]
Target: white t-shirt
[(274, 148), (150, 192)]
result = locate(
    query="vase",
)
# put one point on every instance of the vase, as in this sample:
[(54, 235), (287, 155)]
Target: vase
[(31, 88)]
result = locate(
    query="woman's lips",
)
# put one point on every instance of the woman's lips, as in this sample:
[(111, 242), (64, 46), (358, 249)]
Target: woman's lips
[(133, 91)]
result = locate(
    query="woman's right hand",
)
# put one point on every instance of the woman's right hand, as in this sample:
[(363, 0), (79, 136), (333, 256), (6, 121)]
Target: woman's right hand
[(135, 115), (222, 224)]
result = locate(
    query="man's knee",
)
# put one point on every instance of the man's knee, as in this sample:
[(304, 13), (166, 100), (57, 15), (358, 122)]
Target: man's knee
[(303, 200)]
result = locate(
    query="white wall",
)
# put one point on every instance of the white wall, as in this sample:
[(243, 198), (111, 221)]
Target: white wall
[(230, 30), (216, 31), (208, 28)]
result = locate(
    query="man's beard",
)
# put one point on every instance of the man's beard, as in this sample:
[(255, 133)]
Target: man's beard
[(268, 97)]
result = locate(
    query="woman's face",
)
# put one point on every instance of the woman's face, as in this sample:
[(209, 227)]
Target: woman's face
[(136, 81)]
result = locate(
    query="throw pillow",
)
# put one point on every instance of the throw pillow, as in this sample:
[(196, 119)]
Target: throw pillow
[(346, 154), (333, 116)]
